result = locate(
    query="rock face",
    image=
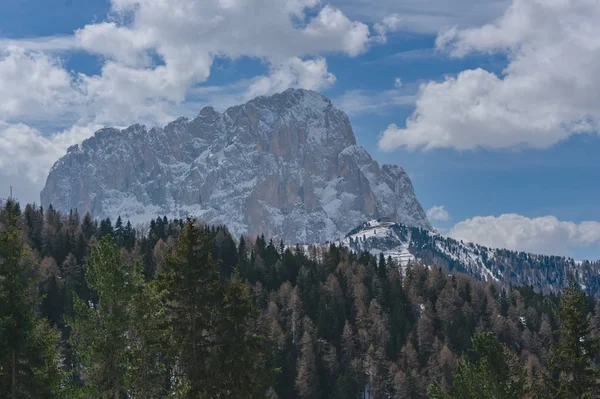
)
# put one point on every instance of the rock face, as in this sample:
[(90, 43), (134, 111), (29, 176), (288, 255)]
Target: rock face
[(286, 166)]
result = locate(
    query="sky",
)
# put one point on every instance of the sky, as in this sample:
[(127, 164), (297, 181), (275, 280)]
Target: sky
[(491, 106)]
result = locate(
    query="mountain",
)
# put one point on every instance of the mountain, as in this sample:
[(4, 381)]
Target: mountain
[(286, 166), (408, 244)]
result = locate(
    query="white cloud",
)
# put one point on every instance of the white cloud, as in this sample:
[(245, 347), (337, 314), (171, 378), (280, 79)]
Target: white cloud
[(544, 235), (355, 102), (156, 51), (426, 16), (397, 83), (25, 152), (309, 74), (33, 85), (545, 94), (101, 39), (155, 55), (50, 43), (336, 32), (438, 214), (390, 23)]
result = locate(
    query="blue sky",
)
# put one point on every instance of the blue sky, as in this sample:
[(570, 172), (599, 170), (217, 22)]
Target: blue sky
[(491, 107)]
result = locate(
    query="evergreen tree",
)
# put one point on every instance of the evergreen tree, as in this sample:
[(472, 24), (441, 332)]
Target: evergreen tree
[(28, 359), (119, 232), (382, 267), (128, 236), (106, 228), (573, 372), (237, 363), (88, 227), (494, 374), (149, 334), (109, 337), (214, 351)]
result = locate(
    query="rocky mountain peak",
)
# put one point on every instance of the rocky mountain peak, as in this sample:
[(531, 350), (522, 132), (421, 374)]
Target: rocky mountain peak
[(285, 165)]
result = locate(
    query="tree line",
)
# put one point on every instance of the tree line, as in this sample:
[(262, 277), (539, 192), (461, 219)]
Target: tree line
[(92, 309)]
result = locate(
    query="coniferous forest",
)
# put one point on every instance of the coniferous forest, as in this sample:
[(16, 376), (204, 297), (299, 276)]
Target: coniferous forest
[(178, 309)]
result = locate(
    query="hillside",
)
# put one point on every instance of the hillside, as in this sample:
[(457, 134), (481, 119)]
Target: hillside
[(405, 244)]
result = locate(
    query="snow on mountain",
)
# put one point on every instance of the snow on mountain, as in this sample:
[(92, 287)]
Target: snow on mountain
[(406, 244), (380, 237), (286, 166)]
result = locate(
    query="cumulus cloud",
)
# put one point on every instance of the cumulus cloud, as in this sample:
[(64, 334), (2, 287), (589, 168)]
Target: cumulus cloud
[(390, 23), (25, 152), (33, 85), (188, 35), (438, 214), (310, 74), (544, 235), (154, 56), (544, 95)]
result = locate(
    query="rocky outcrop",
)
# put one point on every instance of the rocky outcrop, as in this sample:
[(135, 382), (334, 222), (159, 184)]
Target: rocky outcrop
[(286, 166)]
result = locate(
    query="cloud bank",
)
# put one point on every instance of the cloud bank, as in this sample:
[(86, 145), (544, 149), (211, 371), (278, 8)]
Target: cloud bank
[(154, 57), (545, 94), (543, 235)]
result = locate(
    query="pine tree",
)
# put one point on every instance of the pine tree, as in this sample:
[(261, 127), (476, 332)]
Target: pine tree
[(119, 232), (382, 267), (572, 359), (106, 228), (28, 359), (216, 354), (88, 227), (128, 236), (149, 336), (495, 374), (236, 364), (109, 337)]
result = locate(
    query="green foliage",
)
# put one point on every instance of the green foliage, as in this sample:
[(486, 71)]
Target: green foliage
[(183, 312), (114, 339), (495, 374), (29, 364), (217, 355), (572, 365)]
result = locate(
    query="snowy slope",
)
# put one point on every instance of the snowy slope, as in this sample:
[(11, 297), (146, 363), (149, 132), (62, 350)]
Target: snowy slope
[(405, 244), (380, 237), (286, 166)]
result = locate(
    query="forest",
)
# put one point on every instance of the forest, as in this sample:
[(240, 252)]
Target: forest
[(179, 309)]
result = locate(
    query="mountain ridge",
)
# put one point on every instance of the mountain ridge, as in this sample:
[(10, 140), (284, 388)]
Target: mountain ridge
[(285, 165), (546, 273)]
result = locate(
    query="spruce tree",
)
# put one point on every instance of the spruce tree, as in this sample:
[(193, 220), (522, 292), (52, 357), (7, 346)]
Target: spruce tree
[(119, 232), (495, 373), (382, 267), (573, 372), (110, 338), (216, 355), (29, 365)]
